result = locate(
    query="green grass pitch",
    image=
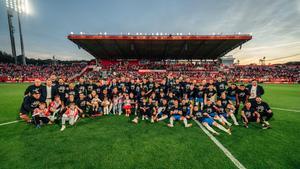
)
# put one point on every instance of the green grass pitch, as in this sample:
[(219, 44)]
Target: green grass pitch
[(114, 142)]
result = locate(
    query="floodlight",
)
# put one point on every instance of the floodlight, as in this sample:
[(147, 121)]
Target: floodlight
[(19, 6)]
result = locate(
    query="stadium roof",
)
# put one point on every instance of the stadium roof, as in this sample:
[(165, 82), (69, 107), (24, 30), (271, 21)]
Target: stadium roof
[(158, 47)]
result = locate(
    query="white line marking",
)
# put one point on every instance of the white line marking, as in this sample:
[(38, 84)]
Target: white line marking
[(236, 162), (277, 108), (11, 122)]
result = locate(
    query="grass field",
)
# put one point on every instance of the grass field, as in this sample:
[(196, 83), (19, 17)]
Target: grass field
[(114, 142)]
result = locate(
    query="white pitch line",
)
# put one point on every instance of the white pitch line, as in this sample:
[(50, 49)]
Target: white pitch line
[(277, 108), (11, 122), (236, 162)]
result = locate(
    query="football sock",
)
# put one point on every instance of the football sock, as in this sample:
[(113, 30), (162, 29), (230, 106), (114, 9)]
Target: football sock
[(171, 121), (222, 128), (233, 118), (210, 129), (224, 119), (185, 122)]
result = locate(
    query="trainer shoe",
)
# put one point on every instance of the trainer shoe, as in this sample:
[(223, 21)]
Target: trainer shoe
[(170, 125), (63, 128), (189, 125), (266, 127), (216, 133), (229, 124)]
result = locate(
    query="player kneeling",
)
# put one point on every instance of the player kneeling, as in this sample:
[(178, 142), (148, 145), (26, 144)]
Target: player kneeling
[(249, 114), (40, 115), (208, 121), (176, 114), (70, 115)]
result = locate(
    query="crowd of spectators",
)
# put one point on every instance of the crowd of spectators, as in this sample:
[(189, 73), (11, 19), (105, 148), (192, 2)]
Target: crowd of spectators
[(197, 71)]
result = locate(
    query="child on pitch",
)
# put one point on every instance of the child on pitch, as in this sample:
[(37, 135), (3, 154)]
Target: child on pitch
[(105, 103), (208, 121), (95, 102), (133, 103), (70, 115), (40, 115), (120, 103), (115, 104), (127, 105), (176, 114), (55, 108)]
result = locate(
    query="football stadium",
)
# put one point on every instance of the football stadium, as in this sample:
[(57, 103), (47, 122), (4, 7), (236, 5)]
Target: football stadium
[(149, 100)]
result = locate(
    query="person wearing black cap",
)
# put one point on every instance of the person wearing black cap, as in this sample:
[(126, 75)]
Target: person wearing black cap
[(29, 104)]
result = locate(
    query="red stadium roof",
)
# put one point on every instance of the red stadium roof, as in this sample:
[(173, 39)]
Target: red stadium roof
[(158, 47)]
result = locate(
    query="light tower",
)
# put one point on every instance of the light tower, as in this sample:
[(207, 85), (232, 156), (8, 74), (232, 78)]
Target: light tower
[(19, 7)]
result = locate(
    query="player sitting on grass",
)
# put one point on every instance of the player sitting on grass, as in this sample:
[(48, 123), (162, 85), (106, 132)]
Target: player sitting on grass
[(208, 121), (70, 115), (162, 111), (211, 109), (226, 102), (176, 114), (30, 102), (40, 115), (221, 110), (264, 110), (249, 114)]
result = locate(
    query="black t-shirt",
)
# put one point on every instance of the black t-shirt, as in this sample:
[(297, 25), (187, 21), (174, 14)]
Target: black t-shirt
[(81, 88), (200, 93), (210, 93), (249, 113), (225, 101), (221, 86), (262, 107), (90, 87), (231, 92), (61, 90), (82, 104), (32, 88), (176, 110), (242, 94), (209, 109)]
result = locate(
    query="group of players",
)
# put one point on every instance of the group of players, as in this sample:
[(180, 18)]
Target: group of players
[(172, 99)]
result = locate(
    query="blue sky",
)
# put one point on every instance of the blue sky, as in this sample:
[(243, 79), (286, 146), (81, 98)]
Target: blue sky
[(275, 24)]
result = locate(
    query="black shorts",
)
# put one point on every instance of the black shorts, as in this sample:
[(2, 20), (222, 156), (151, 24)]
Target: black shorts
[(250, 119)]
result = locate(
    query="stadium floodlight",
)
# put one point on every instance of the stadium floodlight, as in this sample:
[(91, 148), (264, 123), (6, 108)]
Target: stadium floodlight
[(128, 33), (20, 7), (71, 33), (105, 33)]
